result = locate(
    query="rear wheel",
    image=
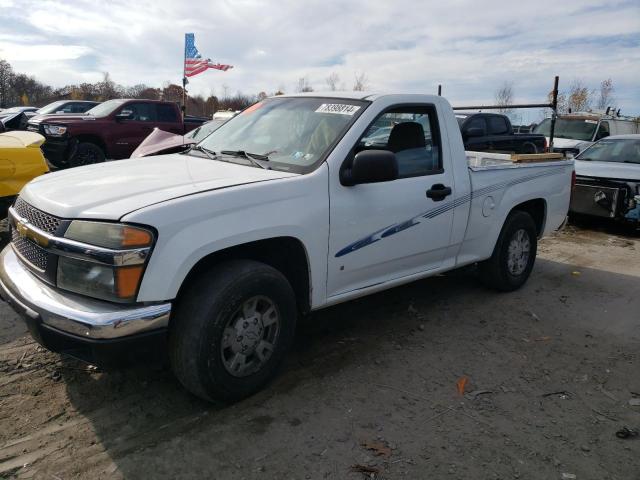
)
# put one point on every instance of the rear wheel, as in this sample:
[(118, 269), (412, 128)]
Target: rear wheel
[(529, 147), (231, 330), (86, 154), (514, 254)]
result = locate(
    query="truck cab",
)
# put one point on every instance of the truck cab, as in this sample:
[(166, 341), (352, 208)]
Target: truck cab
[(576, 131), (492, 132)]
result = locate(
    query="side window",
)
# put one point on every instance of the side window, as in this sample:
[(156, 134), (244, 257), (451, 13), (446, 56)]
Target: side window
[(141, 112), (603, 130), (80, 107), (497, 125), (412, 134), (476, 122), (167, 113)]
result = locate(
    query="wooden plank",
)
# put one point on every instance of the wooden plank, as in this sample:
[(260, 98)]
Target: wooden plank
[(536, 157)]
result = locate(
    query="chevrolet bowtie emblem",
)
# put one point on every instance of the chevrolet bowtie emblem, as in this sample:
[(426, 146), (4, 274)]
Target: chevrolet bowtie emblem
[(25, 231)]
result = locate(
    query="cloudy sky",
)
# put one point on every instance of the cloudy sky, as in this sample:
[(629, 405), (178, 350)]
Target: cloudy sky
[(468, 46)]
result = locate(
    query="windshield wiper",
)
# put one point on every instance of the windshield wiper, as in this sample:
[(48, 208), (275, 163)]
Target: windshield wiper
[(252, 157), (209, 153)]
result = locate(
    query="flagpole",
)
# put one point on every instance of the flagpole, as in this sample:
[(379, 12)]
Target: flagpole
[(184, 79)]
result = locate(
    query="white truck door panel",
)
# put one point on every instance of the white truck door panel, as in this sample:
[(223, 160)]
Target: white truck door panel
[(388, 230)]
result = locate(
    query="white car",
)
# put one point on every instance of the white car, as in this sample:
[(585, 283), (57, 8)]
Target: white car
[(608, 180), (211, 255)]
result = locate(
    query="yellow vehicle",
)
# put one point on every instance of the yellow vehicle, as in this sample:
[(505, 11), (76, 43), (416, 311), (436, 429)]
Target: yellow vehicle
[(21, 160)]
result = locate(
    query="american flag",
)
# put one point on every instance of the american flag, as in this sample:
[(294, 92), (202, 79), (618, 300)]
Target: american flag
[(193, 61)]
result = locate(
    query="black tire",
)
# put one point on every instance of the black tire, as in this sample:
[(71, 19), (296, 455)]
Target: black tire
[(204, 310), (86, 154), (495, 272), (529, 148)]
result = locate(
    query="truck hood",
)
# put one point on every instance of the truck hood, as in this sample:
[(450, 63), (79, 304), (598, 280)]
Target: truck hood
[(61, 118), (612, 170), (113, 189), (159, 141)]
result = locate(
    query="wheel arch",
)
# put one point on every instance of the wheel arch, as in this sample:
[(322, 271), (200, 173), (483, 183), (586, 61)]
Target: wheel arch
[(91, 138), (286, 254), (537, 209)]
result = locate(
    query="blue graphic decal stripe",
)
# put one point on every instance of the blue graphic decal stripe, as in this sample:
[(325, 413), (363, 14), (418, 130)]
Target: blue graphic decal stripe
[(439, 210)]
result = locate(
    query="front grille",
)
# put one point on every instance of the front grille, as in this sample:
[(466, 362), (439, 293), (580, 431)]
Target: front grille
[(37, 218), (29, 251)]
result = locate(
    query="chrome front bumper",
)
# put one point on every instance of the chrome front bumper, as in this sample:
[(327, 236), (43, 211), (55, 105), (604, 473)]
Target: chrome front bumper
[(70, 313)]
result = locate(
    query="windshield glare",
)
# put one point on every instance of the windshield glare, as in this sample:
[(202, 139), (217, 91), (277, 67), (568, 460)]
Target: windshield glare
[(205, 129), (105, 108), (574, 128), (51, 108), (294, 133), (613, 150)]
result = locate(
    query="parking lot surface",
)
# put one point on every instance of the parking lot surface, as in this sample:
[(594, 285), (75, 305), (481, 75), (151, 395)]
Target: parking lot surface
[(438, 379)]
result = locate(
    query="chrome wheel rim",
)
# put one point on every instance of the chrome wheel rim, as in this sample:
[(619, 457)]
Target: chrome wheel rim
[(518, 252), (250, 336)]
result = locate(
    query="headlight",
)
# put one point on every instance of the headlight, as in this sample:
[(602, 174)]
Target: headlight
[(54, 130), (118, 282), (109, 235)]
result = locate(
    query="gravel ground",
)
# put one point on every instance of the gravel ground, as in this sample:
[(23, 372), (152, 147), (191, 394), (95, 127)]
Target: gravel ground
[(549, 374)]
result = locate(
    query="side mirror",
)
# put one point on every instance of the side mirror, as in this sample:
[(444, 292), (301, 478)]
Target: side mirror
[(371, 166), (124, 115), (474, 132)]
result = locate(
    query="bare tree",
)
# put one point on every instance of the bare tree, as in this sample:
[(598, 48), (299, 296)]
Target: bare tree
[(303, 85), (361, 82), (135, 91), (562, 103), (579, 97), (504, 97), (606, 94), (332, 81), (262, 96), (6, 75)]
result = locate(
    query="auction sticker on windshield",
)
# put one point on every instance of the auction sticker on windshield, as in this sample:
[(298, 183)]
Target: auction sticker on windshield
[(339, 108)]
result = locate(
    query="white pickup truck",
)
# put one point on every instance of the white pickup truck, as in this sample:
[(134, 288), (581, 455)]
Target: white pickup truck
[(210, 256)]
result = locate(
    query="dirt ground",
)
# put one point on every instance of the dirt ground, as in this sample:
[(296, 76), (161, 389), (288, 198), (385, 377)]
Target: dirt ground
[(371, 385)]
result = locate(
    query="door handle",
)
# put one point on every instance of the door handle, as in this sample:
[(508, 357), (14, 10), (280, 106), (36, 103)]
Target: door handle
[(438, 192)]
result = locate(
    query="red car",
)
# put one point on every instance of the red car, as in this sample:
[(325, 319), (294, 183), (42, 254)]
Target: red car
[(113, 129)]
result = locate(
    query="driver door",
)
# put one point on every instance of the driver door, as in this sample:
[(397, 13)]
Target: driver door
[(388, 230), (128, 133)]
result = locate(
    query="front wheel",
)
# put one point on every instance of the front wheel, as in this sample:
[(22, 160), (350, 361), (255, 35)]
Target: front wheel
[(514, 254), (86, 154), (231, 330)]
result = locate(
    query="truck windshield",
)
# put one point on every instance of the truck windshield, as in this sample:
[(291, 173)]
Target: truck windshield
[(574, 128), (105, 108), (294, 133), (51, 108), (621, 150)]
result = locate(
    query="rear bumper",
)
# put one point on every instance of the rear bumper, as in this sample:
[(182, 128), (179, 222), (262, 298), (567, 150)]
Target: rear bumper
[(95, 331)]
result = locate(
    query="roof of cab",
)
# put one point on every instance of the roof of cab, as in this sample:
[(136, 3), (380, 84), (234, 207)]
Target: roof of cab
[(369, 96)]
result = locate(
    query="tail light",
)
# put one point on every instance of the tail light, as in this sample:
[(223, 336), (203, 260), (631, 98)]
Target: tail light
[(546, 145), (573, 180)]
